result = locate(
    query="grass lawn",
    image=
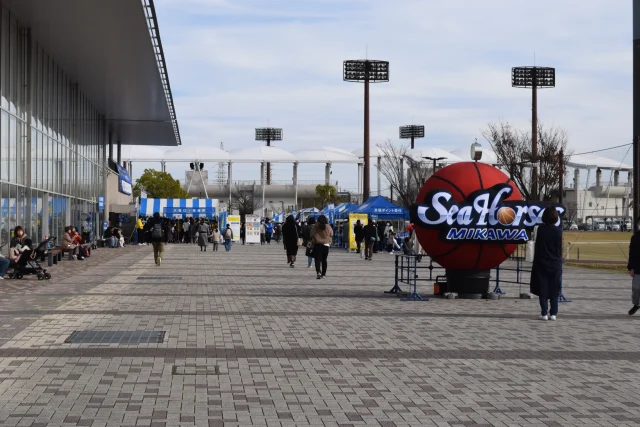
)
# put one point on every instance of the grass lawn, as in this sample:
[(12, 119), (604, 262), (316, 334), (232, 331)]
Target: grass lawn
[(587, 245), (597, 236)]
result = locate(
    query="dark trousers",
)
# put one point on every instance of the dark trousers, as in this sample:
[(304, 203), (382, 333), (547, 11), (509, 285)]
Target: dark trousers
[(262, 239), (368, 249), (544, 306), (268, 236), (321, 253), (358, 245), (140, 236)]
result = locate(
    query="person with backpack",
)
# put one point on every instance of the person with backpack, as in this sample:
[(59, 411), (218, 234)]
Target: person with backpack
[(228, 237), (306, 240), (203, 235), (370, 239), (158, 234)]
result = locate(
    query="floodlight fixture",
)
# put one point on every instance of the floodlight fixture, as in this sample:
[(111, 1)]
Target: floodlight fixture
[(534, 78), (366, 71), (435, 160), (268, 135), (412, 132)]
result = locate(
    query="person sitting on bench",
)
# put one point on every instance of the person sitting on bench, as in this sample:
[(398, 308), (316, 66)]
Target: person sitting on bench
[(68, 244)]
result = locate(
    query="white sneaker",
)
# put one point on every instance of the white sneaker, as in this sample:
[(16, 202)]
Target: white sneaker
[(140, 244), (1, 277), (159, 261), (552, 318), (541, 317)]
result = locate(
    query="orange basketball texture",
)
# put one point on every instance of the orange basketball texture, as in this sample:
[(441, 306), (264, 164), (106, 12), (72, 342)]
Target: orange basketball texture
[(506, 215), (462, 179)]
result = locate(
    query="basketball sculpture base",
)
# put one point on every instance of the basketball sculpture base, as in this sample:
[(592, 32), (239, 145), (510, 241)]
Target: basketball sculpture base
[(468, 283)]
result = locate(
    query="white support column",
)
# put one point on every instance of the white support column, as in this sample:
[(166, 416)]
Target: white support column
[(163, 166), (263, 180), (379, 175), (295, 184), (327, 174), (230, 181), (616, 178)]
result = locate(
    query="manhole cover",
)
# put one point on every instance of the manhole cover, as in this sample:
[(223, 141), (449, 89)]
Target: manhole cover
[(116, 337), (159, 278)]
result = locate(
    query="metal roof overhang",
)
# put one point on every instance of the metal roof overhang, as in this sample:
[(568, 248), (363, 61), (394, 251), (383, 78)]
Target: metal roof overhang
[(108, 48)]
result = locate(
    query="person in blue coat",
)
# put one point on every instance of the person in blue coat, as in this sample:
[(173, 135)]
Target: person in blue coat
[(269, 231), (546, 274)]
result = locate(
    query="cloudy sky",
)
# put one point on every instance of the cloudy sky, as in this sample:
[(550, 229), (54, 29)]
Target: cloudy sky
[(235, 65)]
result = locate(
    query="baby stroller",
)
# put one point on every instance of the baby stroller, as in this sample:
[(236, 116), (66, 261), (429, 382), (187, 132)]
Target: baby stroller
[(28, 264)]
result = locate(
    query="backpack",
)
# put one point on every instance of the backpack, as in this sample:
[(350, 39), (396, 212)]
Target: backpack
[(203, 228), (157, 232), (227, 234)]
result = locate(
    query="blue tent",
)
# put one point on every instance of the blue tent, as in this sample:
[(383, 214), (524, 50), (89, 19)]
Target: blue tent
[(380, 208), (342, 210)]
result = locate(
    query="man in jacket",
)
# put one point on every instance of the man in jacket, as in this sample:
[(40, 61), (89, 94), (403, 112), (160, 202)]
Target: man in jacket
[(358, 230), (634, 270), (370, 238), (228, 237), (158, 234), (139, 230)]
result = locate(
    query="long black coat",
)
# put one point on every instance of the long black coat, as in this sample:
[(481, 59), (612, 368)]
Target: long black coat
[(546, 274), (634, 253), (290, 234)]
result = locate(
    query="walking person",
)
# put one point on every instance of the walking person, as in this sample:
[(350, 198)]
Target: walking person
[(243, 233), (139, 230), (263, 233), (204, 231), (290, 236), (193, 229), (358, 231), (546, 273), (269, 231), (307, 241), (634, 270), (370, 239), (322, 236), (228, 237), (158, 234), (185, 231), (216, 238)]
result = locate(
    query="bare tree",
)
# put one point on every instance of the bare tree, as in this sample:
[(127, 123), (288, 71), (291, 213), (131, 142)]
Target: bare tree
[(246, 201), (513, 150), (571, 212), (405, 174)]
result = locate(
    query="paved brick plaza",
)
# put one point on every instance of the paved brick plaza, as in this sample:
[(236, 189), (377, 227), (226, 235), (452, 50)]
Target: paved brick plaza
[(250, 341)]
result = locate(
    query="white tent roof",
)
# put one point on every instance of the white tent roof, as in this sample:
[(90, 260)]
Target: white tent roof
[(203, 154), (374, 151), (590, 161), (262, 154), (433, 152), (325, 155), (488, 156)]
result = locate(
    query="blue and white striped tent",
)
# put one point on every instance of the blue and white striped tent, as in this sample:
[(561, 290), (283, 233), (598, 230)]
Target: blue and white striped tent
[(179, 208)]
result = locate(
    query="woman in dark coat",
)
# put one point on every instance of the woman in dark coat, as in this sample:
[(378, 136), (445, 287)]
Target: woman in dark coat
[(546, 274), (290, 235)]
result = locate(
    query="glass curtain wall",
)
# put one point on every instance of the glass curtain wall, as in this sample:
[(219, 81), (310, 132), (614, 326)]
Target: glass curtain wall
[(52, 142)]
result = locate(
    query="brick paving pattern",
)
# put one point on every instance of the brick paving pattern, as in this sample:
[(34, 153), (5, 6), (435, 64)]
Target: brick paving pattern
[(250, 341)]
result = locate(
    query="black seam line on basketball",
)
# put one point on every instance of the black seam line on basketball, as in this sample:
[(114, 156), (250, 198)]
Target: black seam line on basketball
[(475, 266), (448, 252), (451, 184), (504, 250), (475, 165)]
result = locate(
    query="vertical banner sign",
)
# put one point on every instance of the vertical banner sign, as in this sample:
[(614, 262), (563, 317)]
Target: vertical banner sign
[(353, 218), (124, 181), (234, 222), (101, 203), (252, 225)]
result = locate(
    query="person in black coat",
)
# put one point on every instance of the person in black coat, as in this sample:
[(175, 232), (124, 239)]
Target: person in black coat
[(358, 230), (634, 270), (370, 239), (546, 274), (290, 235)]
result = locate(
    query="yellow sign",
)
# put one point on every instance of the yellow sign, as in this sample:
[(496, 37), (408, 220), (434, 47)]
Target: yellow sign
[(353, 218), (234, 223)]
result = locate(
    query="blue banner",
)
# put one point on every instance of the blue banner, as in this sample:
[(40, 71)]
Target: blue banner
[(124, 181)]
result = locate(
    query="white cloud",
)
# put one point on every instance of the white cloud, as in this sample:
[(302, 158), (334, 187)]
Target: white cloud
[(235, 64)]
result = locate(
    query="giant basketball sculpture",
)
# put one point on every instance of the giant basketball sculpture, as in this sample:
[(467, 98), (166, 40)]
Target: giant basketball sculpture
[(469, 218)]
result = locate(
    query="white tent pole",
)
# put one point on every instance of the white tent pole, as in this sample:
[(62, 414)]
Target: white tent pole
[(264, 178), (379, 166)]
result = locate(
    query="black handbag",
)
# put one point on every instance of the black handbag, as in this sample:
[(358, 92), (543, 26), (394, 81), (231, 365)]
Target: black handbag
[(309, 250)]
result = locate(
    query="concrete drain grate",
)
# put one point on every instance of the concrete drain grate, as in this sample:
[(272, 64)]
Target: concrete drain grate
[(159, 278), (116, 337), (195, 370)]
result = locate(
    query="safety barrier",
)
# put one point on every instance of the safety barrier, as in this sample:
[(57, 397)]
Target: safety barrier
[(411, 269)]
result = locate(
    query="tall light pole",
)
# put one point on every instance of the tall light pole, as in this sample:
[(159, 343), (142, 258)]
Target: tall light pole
[(534, 77), (365, 71), (636, 111), (412, 132), (268, 135), (435, 160)]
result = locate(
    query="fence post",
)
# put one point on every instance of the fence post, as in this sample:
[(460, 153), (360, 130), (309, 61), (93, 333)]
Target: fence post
[(396, 287)]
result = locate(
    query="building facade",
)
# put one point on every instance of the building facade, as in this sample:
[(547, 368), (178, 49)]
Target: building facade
[(56, 145)]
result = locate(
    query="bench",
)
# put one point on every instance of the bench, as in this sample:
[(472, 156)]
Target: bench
[(54, 255)]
